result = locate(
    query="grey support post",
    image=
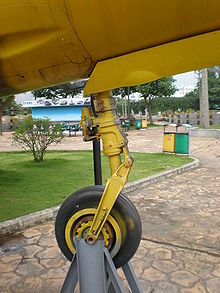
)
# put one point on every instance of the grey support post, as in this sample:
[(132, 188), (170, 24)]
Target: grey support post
[(93, 267), (71, 279)]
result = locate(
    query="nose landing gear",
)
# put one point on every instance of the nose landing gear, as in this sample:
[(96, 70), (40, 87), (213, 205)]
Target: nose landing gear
[(98, 216)]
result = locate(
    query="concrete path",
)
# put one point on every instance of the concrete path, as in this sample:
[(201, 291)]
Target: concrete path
[(180, 247), (150, 140)]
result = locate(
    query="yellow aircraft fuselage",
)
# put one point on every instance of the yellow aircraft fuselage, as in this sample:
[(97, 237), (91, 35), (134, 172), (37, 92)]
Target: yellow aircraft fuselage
[(118, 43)]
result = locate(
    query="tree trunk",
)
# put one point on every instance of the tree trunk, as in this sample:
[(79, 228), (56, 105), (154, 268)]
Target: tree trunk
[(148, 104), (125, 108), (150, 112), (204, 100), (122, 107), (1, 110), (128, 102)]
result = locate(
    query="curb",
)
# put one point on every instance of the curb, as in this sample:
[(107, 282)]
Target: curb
[(30, 220), (196, 132), (161, 176)]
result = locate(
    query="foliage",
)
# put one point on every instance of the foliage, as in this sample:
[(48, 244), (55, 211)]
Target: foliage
[(160, 88), (4, 102), (123, 108), (35, 135), (137, 107), (28, 187), (174, 104), (123, 91), (16, 108), (164, 104), (163, 87), (60, 91), (213, 88)]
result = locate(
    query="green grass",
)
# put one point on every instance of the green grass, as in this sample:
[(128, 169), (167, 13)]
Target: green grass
[(26, 186), (152, 125), (216, 126)]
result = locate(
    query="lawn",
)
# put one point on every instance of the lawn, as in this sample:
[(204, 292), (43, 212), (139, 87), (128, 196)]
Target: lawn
[(215, 126), (26, 186)]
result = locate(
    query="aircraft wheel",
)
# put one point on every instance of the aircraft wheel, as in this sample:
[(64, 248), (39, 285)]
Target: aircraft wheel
[(121, 232)]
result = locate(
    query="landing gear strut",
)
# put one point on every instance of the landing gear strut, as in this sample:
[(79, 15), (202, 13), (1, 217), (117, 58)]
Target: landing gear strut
[(99, 213)]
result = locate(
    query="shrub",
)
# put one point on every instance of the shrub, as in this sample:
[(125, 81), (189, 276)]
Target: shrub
[(35, 135)]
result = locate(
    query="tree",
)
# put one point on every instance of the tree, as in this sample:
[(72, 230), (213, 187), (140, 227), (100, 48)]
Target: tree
[(160, 88), (62, 90), (120, 92), (213, 87), (35, 135), (4, 102), (123, 92)]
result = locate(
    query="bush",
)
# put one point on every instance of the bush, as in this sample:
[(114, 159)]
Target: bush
[(35, 135), (173, 104), (164, 104)]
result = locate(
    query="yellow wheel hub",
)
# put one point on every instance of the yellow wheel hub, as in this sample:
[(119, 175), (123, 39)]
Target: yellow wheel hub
[(79, 224), (83, 230)]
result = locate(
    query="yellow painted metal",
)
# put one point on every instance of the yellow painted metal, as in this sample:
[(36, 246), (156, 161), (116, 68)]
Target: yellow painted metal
[(108, 125), (46, 42), (169, 142), (91, 211), (84, 228), (112, 190), (115, 162), (144, 123), (105, 125), (154, 63)]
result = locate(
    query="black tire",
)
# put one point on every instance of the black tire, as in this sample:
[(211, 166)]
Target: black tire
[(123, 212)]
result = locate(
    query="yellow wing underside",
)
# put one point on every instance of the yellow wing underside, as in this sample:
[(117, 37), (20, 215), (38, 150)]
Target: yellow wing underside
[(115, 43)]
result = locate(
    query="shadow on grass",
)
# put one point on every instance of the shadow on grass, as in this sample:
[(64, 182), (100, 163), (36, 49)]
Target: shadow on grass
[(47, 163), (9, 177)]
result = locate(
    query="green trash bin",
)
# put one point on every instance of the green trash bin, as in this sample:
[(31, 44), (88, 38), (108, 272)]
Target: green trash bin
[(182, 143), (138, 123)]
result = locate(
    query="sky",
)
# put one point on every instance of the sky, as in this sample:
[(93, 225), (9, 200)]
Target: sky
[(187, 79)]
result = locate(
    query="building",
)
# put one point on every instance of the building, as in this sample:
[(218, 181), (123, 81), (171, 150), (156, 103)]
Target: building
[(57, 110)]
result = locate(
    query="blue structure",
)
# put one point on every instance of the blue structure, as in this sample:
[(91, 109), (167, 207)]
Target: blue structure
[(58, 113), (57, 110)]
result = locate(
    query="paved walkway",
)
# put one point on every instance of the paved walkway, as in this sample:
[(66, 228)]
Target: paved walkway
[(180, 247), (150, 140)]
